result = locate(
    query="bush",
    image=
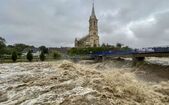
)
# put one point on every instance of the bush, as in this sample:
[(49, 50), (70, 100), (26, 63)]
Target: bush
[(42, 56), (29, 56), (14, 56), (56, 55)]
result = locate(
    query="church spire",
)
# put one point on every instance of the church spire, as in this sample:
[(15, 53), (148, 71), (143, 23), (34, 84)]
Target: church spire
[(93, 11), (93, 26)]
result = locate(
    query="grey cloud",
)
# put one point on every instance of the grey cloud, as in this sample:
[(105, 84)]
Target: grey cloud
[(137, 23), (153, 30)]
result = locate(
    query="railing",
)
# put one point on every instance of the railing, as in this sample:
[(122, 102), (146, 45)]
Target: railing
[(149, 50)]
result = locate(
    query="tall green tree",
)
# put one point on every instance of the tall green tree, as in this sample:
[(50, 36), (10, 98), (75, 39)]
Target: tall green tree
[(2, 42), (2, 46), (42, 56), (14, 56), (29, 56)]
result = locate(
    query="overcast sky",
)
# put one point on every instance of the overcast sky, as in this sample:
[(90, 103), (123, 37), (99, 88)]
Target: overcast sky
[(136, 23)]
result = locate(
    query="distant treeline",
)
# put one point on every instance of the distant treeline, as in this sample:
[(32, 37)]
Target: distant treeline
[(104, 47), (16, 51)]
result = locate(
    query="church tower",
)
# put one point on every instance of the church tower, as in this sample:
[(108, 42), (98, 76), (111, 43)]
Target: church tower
[(92, 38), (93, 28)]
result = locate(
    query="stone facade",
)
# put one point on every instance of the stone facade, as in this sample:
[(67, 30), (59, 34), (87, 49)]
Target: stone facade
[(92, 39)]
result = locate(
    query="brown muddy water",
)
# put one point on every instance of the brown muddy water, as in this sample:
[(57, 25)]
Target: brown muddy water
[(83, 83)]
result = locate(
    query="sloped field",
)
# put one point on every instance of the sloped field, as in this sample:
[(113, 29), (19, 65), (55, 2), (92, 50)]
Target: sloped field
[(67, 83)]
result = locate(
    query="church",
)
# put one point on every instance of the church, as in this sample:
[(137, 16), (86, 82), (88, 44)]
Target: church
[(92, 39)]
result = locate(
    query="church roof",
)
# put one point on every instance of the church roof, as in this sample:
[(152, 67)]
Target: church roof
[(84, 38)]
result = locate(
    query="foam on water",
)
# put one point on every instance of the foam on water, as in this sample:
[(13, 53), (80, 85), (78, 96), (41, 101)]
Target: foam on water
[(67, 83)]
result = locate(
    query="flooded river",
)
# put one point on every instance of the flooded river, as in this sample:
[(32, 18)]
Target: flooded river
[(83, 83)]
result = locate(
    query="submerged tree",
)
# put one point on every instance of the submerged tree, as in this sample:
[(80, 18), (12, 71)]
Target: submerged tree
[(29, 56)]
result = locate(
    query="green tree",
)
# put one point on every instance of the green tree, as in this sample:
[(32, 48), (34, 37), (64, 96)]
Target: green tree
[(119, 45), (126, 48), (19, 47), (56, 55), (44, 49), (42, 56), (14, 56), (29, 56), (2, 46), (8, 51), (103, 45)]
